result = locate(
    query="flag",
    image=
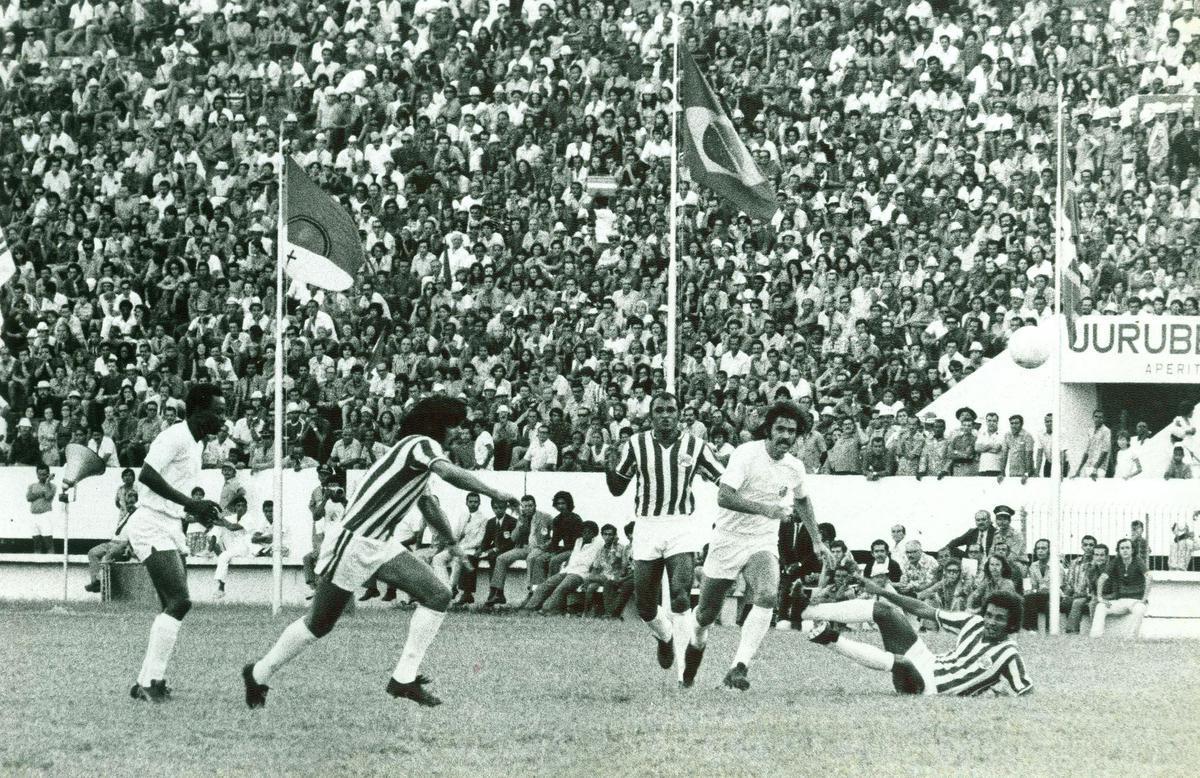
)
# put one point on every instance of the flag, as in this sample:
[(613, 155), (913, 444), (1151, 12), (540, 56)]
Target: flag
[(8, 267), (713, 152), (322, 245)]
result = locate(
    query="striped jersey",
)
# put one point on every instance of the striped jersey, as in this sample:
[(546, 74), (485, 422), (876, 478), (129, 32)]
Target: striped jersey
[(391, 487), (664, 473), (975, 666)]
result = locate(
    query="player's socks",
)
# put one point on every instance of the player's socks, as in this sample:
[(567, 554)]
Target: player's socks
[(866, 655), (422, 629), (294, 639), (660, 625), (699, 634), (754, 629), (848, 612), (163, 633)]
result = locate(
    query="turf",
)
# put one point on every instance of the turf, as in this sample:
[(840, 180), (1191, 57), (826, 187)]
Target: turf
[(562, 697)]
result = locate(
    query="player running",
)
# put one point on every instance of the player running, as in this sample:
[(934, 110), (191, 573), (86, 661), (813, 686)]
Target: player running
[(762, 487), (663, 462), (155, 528), (365, 546), (983, 659)]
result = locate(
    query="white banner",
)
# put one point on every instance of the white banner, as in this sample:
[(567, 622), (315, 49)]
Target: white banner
[(1130, 349)]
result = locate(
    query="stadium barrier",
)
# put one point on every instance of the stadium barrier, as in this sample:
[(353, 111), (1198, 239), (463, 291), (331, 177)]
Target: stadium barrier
[(933, 511)]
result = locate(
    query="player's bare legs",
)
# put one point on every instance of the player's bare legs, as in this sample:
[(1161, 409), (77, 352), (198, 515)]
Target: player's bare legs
[(762, 580), (647, 593), (894, 627), (712, 594), (170, 583), (432, 596)]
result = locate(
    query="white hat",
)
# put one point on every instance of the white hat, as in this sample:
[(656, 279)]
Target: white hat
[(975, 346), (293, 407)]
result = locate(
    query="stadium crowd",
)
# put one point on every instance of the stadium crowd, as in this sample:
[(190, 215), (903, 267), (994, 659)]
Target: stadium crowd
[(508, 164)]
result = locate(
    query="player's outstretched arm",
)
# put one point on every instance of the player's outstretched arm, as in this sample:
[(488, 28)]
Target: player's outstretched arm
[(205, 510), (729, 499), (431, 511), (453, 474), (921, 610)]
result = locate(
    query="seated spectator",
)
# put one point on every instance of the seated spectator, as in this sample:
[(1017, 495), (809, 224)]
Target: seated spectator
[(550, 596), (841, 588), (1078, 585), (1037, 599), (1177, 468), (1141, 546), (881, 563), (1121, 589), (443, 561), (117, 549), (1183, 546), (613, 572), (514, 545), (950, 591), (478, 544), (238, 536), (997, 577), (564, 532), (918, 570)]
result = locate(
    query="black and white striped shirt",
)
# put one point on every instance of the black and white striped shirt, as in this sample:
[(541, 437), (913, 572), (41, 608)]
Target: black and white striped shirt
[(974, 666), (391, 487), (664, 473)]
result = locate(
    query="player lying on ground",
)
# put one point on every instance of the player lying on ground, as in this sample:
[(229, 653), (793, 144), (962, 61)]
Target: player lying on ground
[(762, 487), (365, 546), (155, 529), (983, 659)]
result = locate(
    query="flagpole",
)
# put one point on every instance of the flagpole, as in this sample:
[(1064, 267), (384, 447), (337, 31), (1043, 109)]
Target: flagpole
[(1056, 443), (277, 471), (673, 213)]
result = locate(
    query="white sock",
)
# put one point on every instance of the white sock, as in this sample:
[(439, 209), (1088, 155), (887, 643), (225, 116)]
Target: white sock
[(422, 629), (754, 629), (699, 634), (294, 640), (660, 625), (866, 655), (681, 630), (163, 633), (848, 612)]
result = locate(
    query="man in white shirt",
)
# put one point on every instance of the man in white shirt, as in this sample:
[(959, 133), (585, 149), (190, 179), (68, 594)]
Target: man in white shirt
[(444, 563), (541, 455), (762, 487), (103, 446), (550, 596)]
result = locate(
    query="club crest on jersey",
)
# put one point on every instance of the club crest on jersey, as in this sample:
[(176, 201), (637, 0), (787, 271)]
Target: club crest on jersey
[(686, 462), (783, 491), (985, 662)]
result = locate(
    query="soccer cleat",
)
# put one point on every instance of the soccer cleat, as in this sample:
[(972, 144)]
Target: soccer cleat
[(413, 690), (692, 656), (390, 594), (156, 692), (666, 653), (256, 693), (219, 594), (495, 599), (369, 594), (93, 587), (736, 678), (823, 633)]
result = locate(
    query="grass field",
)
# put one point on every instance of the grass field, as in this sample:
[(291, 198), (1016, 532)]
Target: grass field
[(563, 697)]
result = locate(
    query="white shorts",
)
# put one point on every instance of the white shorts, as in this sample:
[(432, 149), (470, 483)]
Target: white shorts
[(661, 539), (728, 553), (350, 560), (43, 523), (149, 530), (923, 660)]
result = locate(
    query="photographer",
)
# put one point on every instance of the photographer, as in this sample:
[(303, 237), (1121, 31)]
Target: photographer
[(40, 496)]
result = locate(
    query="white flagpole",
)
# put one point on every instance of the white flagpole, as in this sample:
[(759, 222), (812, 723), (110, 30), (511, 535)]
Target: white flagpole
[(673, 213), (277, 471), (1056, 474)]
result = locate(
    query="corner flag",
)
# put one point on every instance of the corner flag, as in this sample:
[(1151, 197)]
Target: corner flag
[(713, 152), (321, 243)]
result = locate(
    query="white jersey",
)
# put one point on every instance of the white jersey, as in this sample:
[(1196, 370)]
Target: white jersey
[(175, 455), (756, 476)]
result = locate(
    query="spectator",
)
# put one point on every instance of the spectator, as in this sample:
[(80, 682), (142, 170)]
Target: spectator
[(1183, 546), (918, 570), (982, 534), (1037, 599), (613, 572), (542, 453), (514, 546), (1141, 546), (25, 449), (236, 537), (996, 577), (1128, 464), (989, 447), (1078, 585), (40, 496), (840, 588), (960, 449), (348, 452), (231, 488), (1120, 589), (951, 591), (878, 462), (117, 549), (444, 563), (882, 561), (565, 530), (479, 544), (1012, 538), (1099, 446), (103, 447), (551, 595), (935, 454), (1019, 450), (1176, 468)]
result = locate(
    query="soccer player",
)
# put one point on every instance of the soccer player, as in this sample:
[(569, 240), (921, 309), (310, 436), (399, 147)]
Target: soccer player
[(365, 547), (155, 529), (667, 536), (984, 658), (762, 487)]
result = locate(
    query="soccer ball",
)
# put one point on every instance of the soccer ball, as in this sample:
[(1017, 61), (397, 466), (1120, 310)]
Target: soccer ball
[(1030, 346)]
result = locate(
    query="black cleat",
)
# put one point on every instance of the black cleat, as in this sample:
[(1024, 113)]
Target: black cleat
[(390, 595), (93, 587), (692, 657), (413, 690), (736, 678), (495, 600), (666, 653), (823, 633), (256, 693), (156, 692), (369, 594)]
